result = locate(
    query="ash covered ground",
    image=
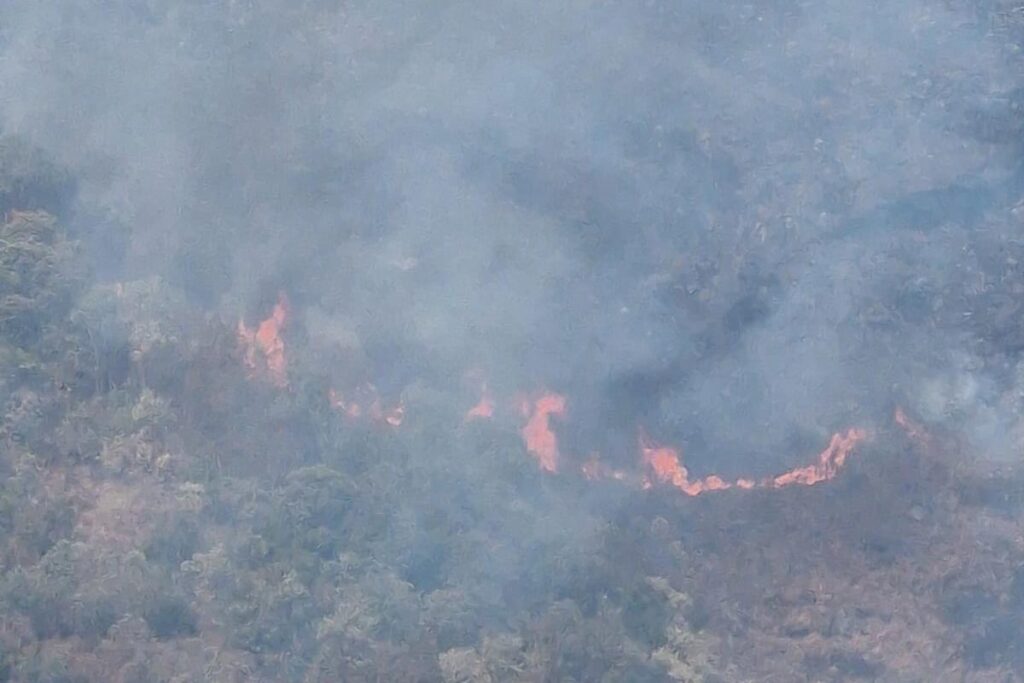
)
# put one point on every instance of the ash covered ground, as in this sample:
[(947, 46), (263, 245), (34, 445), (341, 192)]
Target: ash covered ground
[(582, 341)]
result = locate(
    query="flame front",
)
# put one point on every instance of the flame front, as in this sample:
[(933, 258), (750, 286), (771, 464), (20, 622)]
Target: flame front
[(265, 355), (830, 461), (264, 348), (665, 465), (541, 442)]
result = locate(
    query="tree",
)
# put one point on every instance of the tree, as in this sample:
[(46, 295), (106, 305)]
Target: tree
[(29, 181), (37, 276)]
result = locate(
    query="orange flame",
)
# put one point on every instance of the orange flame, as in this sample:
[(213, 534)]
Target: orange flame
[(664, 462), (541, 442), (830, 461), (369, 405), (265, 343), (338, 402), (265, 353), (396, 415), (914, 429), (484, 409)]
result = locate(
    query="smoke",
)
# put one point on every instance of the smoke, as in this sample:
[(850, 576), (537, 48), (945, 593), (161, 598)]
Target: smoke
[(741, 225)]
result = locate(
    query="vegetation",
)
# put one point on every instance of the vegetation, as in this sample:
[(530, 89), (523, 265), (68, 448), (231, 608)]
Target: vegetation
[(166, 515), (161, 524)]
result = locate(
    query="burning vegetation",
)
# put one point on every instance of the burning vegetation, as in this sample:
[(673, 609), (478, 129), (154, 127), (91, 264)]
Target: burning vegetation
[(154, 512), (538, 433), (660, 464), (264, 349), (366, 404), (692, 255)]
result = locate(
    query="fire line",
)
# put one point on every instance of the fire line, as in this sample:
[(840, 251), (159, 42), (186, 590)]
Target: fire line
[(264, 356)]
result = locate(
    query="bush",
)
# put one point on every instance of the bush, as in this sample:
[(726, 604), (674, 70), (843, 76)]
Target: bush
[(38, 276), (29, 181), (173, 542), (169, 616)]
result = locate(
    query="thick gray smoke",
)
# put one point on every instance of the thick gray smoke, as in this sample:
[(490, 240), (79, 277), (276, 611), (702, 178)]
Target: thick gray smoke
[(745, 225)]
